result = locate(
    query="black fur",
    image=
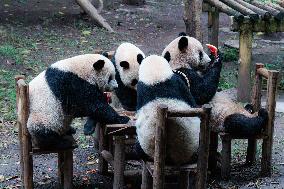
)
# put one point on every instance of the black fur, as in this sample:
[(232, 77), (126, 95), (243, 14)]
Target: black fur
[(174, 88), (80, 98), (182, 34), (99, 64), (240, 125), (183, 43), (203, 88), (139, 58), (124, 64), (167, 56)]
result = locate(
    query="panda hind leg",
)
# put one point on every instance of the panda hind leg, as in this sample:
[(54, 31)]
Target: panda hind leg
[(90, 126), (47, 139)]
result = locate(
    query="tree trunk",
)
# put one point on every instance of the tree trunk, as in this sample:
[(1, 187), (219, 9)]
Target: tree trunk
[(134, 2), (192, 18)]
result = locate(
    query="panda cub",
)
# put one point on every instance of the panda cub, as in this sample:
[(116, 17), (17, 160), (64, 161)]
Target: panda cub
[(165, 87), (186, 55), (127, 59), (68, 89)]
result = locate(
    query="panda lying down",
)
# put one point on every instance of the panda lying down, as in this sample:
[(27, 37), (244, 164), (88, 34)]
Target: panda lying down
[(68, 89)]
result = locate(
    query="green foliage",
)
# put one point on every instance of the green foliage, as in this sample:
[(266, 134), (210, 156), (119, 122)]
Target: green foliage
[(227, 79), (230, 54), (10, 52)]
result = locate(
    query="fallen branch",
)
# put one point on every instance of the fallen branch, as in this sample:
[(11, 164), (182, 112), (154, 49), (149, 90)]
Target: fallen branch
[(87, 6)]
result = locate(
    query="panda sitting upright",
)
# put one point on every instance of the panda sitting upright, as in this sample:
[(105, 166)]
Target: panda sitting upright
[(68, 89), (127, 59), (158, 84), (186, 55)]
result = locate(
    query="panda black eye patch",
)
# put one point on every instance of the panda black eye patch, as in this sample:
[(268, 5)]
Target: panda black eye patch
[(124, 64), (200, 55), (139, 58), (99, 64), (167, 56)]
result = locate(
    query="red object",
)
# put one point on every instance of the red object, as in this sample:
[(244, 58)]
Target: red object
[(108, 97), (212, 49)]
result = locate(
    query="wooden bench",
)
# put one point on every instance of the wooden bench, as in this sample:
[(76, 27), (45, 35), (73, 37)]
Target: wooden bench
[(27, 150), (266, 135)]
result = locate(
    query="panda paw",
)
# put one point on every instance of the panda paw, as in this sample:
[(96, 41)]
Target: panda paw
[(90, 126)]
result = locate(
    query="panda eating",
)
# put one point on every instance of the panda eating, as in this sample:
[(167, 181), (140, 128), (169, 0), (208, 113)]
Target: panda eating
[(186, 55), (127, 59), (68, 89), (158, 84)]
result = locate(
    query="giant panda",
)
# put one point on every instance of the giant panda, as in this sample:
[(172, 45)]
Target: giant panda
[(185, 54), (158, 84), (127, 59), (68, 89)]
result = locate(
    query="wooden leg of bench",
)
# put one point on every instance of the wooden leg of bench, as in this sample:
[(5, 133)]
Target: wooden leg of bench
[(266, 157), (68, 169), (184, 179), (61, 168), (251, 151), (103, 165), (212, 164), (147, 180), (119, 159), (226, 158)]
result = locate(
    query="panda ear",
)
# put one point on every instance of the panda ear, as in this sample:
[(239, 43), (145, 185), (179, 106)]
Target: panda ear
[(167, 56), (139, 58), (182, 34), (105, 54), (124, 64), (99, 65), (183, 44)]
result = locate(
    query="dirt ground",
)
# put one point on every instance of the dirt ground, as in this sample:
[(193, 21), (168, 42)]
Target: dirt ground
[(37, 33)]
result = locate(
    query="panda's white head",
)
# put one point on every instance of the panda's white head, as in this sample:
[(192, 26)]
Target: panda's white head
[(93, 68), (186, 52), (154, 69), (128, 58)]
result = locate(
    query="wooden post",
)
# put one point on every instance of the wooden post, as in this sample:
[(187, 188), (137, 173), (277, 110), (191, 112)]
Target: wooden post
[(244, 78), (269, 129), (192, 18), (68, 169), (26, 142), (203, 152), (226, 157), (213, 27), (61, 168), (119, 158), (256, 94), (97, 137), (146, 178), (103, 165), (160, 148), (17, 78)]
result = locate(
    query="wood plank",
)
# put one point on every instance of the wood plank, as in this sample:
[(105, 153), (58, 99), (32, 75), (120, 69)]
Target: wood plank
[(226, 158), (146, 178), (276, 13), (256, 93), (264, 14), (119, 160)]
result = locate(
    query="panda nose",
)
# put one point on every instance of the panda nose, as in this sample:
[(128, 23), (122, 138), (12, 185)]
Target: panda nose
[(134, 82)]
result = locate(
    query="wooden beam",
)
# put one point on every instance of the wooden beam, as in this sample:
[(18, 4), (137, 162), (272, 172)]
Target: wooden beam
[(119, 160), (242, 9), (273, 25), (87, 6), (275, 6), (244, 75), (256, 94), (274, 12), (264, 14), (225, 9)]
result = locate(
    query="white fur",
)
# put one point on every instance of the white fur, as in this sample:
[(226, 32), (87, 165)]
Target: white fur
[(128, 52), (45, 108), (82, 66), (154, 69), (189, 58), (182, 133)]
